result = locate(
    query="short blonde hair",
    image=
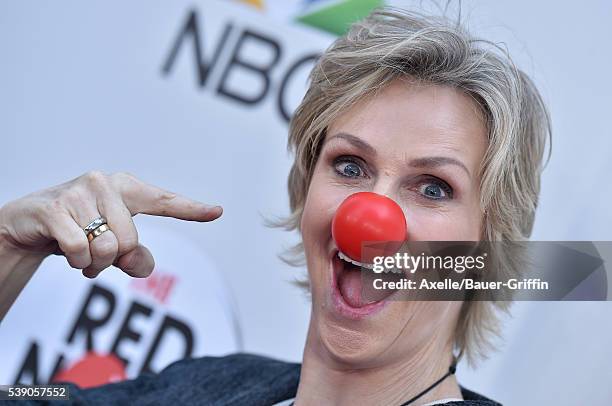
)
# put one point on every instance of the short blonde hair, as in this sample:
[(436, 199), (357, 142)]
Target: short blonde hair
[(391, 43)]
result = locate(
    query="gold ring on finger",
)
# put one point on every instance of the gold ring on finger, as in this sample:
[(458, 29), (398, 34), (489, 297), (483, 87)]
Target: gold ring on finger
[(97, 232)]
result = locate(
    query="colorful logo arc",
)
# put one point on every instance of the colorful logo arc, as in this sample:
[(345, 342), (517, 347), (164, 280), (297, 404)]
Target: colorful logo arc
[(332, 16)]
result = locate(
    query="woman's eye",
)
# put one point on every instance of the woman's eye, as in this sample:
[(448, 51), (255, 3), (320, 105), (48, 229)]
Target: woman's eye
[(436, 191), (349, 169)]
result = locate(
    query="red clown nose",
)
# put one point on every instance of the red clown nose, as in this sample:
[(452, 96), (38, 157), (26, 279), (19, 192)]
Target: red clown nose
[(367, 217)]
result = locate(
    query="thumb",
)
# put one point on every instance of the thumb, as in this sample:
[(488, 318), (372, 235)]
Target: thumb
[(138, 263)]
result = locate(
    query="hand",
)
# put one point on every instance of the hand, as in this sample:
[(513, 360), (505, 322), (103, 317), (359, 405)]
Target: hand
[(53, 219)]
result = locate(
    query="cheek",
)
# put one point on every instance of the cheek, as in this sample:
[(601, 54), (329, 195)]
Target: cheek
[(321, 204), (459, 224)]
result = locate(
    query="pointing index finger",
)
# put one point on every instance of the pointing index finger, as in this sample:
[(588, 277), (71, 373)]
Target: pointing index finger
[(140, 197)]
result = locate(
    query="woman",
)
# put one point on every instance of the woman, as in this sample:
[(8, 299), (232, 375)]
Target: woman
[(407, 106)]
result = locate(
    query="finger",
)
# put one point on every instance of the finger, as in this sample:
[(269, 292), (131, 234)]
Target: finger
[(140, 197), (70, 238), (120, 222), (103, 250), (138, 263)]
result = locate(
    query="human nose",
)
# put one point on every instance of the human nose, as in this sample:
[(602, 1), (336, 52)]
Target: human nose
[(387, 186), (367, 217)]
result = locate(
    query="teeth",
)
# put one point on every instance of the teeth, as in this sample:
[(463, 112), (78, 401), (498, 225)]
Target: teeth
[(347, 259)]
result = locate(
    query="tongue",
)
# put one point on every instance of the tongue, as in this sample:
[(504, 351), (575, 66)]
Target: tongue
[(350, 287)]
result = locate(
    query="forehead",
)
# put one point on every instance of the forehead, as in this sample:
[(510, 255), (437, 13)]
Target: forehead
[(411, 120)]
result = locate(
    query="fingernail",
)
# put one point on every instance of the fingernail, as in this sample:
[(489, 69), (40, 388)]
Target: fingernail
[(89, 273)]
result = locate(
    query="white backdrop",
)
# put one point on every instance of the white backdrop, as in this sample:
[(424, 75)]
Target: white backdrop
[(83, 87)]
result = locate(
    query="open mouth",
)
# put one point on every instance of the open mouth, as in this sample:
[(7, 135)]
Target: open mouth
[(353, 293)]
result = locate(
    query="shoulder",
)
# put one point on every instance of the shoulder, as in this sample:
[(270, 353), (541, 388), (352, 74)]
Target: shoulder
[(234, 379)]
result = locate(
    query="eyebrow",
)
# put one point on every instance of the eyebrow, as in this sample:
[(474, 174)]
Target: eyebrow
[(356, 141), (424, 162), (437, 161)]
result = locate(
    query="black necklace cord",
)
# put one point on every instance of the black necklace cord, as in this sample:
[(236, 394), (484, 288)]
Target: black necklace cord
[(451, 371)]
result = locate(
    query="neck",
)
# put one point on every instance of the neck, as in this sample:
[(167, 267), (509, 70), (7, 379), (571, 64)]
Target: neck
[(324, 380)]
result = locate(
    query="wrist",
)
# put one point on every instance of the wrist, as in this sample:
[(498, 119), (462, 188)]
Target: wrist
[(9, 250), (17, 265)]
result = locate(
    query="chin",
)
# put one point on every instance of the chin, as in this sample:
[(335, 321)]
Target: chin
[(353, 335), (349, 347)]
